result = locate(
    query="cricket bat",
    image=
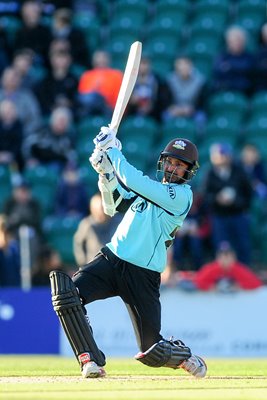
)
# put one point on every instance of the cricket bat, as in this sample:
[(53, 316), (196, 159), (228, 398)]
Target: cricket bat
[(127, 85)]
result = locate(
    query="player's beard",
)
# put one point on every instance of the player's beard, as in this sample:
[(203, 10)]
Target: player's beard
[(172, 177)]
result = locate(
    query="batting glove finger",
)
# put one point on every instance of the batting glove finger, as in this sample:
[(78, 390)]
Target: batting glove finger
[(106, 139), (100, 162)]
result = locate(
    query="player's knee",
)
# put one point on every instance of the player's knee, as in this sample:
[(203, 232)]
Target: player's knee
[(64, 292), (165, 353)]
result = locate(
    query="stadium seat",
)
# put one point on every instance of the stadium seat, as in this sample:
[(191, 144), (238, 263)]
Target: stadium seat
[(137, 151), (251, 14), (10, 24), (161, 55), (207, 30), (134, 9), (222, 126), (90, 27), (206, 25), (258, 104), (43, 182), (138, 126), (230, 105), (123, 24), (84, 149), (162, 29), (171, 13), (215, 9), (166, 24), (179, 127), (119, 46), (162, 47), (5, 185), (162, 43), (89, 127), (138, 135), (59, 234), (171, 8), (161, 65), (202, 56), (257, 126), (204, 43), (90, 178)]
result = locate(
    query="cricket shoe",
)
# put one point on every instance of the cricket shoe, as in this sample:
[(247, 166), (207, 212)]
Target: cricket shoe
[(92, 370), (195, 365)]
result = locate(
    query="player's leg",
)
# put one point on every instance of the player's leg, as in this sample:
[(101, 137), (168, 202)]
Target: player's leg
[(69, 297), (140, 292)]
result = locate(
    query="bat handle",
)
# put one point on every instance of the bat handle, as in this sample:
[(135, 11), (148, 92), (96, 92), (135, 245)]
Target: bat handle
[(114, 128)]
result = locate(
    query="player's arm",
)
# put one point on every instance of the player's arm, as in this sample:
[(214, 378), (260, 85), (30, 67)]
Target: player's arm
[(114, 197), (165, 196)]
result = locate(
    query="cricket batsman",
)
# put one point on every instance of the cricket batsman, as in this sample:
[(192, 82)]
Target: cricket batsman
[(130, 265)]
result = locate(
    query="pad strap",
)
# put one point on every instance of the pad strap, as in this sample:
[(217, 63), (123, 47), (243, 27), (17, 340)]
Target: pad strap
[(165, 353), (72, 315)]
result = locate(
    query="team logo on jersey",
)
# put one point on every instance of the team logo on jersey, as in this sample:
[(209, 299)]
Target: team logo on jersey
[(172, 192), (179, 144), (140, 206)]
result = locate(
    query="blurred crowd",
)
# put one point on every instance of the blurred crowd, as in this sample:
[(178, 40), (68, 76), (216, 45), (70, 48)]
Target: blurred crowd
[(52, 83)]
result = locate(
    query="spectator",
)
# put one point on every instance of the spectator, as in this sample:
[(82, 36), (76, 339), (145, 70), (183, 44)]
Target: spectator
[(99, 87), (186, 84), (48, 260), (151, 94), (93, 231), (23, 63), (26, 103), (260, 76), (4, 50), (255, 169), (228, 193), (233, 69), (11, 136), (59, 45), (53, 146), (226, 273), (187, 253), (62, 28), (9, 256), (71, 196), (33, 35), (21, 209), (59, 84), (55, 4), (187, 249)]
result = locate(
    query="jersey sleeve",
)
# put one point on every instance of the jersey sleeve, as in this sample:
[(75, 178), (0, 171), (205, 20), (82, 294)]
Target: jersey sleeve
[(176, 199)]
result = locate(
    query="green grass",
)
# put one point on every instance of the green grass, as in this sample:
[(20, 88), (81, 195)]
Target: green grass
[(39, 377)]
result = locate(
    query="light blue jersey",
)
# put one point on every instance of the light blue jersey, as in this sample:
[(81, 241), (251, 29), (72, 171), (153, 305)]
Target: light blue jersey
[(151, 220)]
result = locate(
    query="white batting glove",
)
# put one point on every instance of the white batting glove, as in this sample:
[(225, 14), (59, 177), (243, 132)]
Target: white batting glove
[(106, 139), (100, 162)]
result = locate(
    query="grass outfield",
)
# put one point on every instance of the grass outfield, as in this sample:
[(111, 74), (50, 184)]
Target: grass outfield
[(41, 377)]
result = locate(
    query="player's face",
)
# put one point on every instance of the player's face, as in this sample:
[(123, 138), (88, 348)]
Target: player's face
[(174, 169)]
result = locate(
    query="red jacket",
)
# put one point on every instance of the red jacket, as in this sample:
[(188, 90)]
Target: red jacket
[(106, 81), (208, 276)]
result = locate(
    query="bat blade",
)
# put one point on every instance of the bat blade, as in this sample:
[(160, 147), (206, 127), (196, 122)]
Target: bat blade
[(127, 85)]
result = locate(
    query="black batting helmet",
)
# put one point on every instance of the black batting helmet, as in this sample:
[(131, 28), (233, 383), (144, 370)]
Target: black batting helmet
[(184, 150)]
